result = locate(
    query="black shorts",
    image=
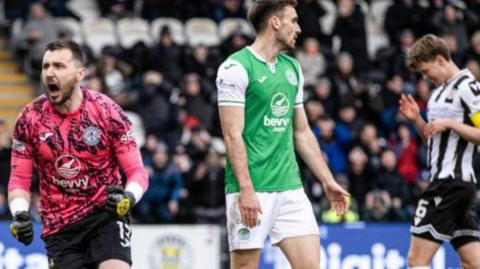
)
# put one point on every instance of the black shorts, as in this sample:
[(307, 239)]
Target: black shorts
[(89, 242), (446, 212)]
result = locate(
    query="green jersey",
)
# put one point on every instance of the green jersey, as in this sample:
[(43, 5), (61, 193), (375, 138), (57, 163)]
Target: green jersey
[(269, 93)]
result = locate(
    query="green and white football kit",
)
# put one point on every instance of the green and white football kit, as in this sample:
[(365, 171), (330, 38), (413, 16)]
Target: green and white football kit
[(269, 93)]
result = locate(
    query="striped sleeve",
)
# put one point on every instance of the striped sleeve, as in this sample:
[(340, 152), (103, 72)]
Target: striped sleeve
[(232, 83), (299, 96)]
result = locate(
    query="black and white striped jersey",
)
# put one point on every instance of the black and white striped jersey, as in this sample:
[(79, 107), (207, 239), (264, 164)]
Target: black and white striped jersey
[(449, 155)]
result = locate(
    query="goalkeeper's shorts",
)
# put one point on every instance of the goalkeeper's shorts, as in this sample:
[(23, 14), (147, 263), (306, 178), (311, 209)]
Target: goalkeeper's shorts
[(87, 243)]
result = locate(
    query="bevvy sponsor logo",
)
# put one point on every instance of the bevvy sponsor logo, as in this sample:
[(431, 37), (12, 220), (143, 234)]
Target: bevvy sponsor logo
[(279, 106)]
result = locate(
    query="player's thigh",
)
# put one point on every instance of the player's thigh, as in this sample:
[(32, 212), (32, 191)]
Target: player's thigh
[(113, 264), (295, 249), (421, 251), (469, 255), (244, 259)]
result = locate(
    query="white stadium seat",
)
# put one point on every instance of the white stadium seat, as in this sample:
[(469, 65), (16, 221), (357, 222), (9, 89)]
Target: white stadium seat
[(133, 30), (99, 33), (230, 25), (72, 26), (175, 26), (202, 31)]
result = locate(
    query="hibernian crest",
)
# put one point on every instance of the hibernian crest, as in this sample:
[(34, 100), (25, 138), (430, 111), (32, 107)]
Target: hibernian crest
[(291, 77)]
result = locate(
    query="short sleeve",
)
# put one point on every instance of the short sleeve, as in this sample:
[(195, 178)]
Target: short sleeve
[(299, 96), (470, 94), (232, 82)]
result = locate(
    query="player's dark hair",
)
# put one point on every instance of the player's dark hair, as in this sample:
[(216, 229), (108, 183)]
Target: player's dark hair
[(425, 50), (77, 52), (261, 11)]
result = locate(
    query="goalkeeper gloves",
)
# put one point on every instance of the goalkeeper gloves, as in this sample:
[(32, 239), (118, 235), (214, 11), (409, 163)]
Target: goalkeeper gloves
[(119, 201), (21, 227)]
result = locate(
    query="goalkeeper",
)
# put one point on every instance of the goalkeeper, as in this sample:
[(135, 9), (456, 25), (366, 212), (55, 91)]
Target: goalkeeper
[(76, 138)]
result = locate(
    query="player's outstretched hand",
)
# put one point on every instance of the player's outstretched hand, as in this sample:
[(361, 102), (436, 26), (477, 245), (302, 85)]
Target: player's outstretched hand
[(21, 227), (409, 107), (119, 201), (337, 197)]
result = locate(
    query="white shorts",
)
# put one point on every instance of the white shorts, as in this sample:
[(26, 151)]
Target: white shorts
[(285, 214)]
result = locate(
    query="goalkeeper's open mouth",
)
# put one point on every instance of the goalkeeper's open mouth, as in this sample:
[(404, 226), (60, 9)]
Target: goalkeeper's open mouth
[(53, 90)]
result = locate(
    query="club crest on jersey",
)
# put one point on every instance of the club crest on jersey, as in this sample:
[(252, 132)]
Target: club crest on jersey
[(67, 166), (91, 135), (291, 77)]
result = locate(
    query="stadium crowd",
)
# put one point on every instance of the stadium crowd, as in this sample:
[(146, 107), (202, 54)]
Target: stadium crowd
[(351, 95)]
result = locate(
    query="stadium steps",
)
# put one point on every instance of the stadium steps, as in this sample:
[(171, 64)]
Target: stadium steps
[(15, 88)]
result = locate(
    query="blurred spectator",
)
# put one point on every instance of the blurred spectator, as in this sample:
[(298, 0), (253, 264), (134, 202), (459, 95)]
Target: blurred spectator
[(114, 73), (314, 110), (202, 62), (379, 208), (348, 124), (344, 82), (197, 100), (361, 176), (235, 42), (207, 187), (404, 14), (198, 145), (371, 144), (324, 131), (166, 56), (350, 28), (39, 30), (389, 180), (116, 9), (405, 148), (312, 62), (152, 9), (309, 14), (153, 104), (322, 92), (473, 53), (449, 21), (5, 148), (229, 9), (162, 200), (398, 66)]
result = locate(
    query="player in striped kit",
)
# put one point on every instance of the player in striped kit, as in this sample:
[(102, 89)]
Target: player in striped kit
[(446, 210)]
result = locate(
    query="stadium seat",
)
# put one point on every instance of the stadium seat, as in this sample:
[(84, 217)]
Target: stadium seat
[(230, 25), (99, 33), (85, 9), (202, 31), (175, 26), (327, 22), (72, 26), (133, 30), (376, 16)]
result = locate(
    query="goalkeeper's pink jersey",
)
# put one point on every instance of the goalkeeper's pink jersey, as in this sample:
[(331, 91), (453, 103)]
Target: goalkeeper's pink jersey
[(76, 154)]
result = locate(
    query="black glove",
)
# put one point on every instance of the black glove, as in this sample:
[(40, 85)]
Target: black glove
[(119, 201), (21, 227)]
